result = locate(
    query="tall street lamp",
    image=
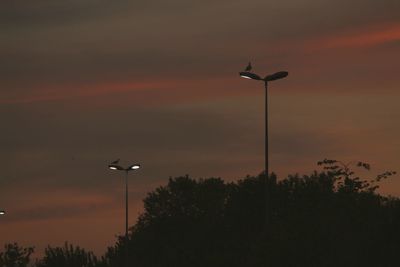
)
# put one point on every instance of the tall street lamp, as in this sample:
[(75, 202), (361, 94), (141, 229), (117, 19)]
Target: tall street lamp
[(114, 166), (269, 78)]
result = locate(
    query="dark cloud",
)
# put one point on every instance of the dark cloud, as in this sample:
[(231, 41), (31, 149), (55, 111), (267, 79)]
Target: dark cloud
[(155, 82), (51, 141), (112, 40), (53, 212)]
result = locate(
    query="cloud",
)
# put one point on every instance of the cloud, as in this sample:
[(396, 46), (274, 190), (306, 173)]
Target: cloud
[(103, 40), (359, 38), (50, 205), (86, 82), (67, 91)]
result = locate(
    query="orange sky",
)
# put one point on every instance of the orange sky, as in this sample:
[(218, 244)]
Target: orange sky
[(86, 82)]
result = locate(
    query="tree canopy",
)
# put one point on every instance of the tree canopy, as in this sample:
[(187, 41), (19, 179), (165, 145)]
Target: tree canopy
[(15, 255), (328, 218)]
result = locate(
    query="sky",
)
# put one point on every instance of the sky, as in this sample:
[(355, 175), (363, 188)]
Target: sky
[(83, 83)]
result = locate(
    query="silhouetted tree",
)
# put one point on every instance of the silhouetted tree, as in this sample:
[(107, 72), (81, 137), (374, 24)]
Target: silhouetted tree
[(176, 225), (345, 178), (331, 218), (15, 256), (67, 256), (328, 218)]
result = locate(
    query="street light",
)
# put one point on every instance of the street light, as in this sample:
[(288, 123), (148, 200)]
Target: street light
[(2, 212), (116, 167), (276, 76), (266, 79)]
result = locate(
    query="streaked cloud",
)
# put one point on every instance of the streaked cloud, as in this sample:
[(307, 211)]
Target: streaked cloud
[(359, 39), (86, 82)]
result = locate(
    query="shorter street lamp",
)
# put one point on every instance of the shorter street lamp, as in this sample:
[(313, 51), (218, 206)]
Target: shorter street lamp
[(115, 167), (2, 212)]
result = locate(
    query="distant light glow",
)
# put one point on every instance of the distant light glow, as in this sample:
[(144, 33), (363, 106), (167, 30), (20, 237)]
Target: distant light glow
[(115, 167), (2, 212), (135, 167), (249, 75)]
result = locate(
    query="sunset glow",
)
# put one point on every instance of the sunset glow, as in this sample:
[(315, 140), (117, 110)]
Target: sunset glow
[(156, 83)]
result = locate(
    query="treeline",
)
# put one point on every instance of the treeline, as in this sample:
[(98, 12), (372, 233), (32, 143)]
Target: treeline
[(328, 218)]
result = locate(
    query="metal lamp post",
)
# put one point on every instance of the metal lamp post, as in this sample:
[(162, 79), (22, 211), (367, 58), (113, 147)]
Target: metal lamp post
[(268, 78), (117, 167), (276, 76)]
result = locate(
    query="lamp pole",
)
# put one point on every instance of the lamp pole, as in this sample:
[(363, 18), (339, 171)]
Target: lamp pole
[(266, 158), (115, 166), (276, 76), (126, 205)]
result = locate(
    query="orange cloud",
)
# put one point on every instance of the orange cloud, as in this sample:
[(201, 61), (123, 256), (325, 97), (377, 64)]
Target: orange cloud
[(359, 38), (59, 92), (167, 91)]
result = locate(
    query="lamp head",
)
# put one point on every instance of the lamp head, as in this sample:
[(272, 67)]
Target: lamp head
[(134, 167), (115, 167), (2, 212), (249, 75), (276, 76)]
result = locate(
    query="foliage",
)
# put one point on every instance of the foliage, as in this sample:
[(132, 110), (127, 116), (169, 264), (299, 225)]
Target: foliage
[(328, 218), (345, 177), (15, 256), (178, 216), (67, 256), (331, 218)]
